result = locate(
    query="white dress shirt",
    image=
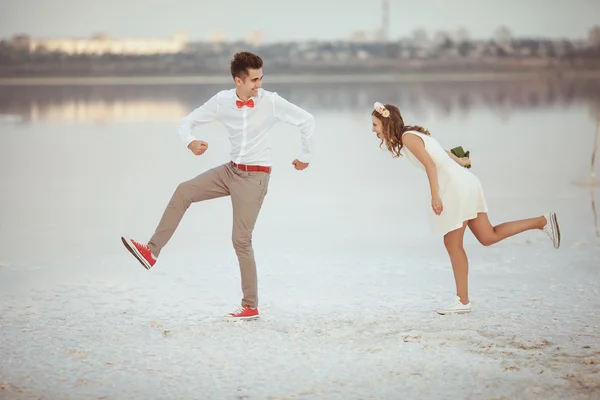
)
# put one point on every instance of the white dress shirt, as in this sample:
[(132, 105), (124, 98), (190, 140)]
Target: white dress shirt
[(249, 127)]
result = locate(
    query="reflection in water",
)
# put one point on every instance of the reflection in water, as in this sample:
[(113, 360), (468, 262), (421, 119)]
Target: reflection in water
[(592, 182), (99, 111), (168, 103), (595, 213)]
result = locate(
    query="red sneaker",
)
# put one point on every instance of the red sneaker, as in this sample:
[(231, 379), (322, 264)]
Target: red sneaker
[(243, 313), (139, 251)]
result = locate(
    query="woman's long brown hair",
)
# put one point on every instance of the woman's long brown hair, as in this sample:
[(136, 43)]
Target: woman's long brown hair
[(393, 127)]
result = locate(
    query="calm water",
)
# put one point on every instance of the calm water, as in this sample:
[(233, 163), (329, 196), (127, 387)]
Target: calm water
[(82, 165)]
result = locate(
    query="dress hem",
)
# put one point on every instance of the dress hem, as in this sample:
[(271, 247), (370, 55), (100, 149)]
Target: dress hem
[(468, 218)]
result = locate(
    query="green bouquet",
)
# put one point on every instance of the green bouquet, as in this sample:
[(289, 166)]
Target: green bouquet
[(461, 153)]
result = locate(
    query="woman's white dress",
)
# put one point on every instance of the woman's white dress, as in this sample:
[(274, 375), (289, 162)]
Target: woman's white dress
[(460, 190)]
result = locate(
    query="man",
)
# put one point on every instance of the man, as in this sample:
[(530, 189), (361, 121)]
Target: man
[(248, 112)]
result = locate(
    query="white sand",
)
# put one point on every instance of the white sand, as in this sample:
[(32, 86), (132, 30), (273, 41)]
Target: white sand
[(348, 325)]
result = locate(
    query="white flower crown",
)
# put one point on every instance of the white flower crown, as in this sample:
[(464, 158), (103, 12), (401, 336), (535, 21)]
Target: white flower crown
[(380, 108)]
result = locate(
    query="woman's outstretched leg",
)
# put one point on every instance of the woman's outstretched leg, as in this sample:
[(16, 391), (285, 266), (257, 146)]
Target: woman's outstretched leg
[(488, 234), (460, 266)]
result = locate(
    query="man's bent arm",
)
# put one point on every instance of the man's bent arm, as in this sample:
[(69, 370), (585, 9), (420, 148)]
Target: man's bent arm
[(204, 114), (292, 114)]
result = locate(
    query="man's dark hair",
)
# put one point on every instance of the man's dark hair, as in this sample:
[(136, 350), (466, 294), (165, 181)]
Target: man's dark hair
[(243, 61)]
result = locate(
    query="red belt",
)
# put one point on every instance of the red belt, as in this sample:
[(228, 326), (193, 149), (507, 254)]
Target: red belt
[(252, 168)]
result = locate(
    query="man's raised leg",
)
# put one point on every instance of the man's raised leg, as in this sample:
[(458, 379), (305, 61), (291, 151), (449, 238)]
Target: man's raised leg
[(208, 185)]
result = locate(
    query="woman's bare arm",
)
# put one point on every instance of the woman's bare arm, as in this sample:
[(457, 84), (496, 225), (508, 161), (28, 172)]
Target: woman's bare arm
[(416, 145)]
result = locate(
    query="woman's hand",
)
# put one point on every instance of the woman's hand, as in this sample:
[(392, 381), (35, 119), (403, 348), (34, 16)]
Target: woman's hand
[(436, 204), (465, 162)]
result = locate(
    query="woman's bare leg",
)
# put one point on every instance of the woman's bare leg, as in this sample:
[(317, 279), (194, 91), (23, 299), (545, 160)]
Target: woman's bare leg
[(488, 234), (460, 264)]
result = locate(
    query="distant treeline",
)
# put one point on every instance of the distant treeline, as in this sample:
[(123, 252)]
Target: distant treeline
[(314, 58)]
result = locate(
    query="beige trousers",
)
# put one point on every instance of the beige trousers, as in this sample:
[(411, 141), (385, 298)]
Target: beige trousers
[(247, 191)]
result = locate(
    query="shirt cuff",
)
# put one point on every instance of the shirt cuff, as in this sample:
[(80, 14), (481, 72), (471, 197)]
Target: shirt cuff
[(305, 158), (187, 139)]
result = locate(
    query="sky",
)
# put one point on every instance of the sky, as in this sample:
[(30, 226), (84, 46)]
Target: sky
[(294, 20)]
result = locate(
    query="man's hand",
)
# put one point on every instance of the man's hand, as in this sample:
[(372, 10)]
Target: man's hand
[(299, 165), (198, 147)]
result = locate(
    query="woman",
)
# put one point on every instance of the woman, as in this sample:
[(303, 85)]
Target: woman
[(457, 199)]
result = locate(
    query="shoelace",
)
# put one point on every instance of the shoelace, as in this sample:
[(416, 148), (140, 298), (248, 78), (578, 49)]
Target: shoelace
[(548, 229), (239, 310), (455, 304), (139, 244)]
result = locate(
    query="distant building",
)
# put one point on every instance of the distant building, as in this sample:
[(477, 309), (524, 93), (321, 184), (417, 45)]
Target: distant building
[(594, 36), (255, 38), (358, 37), (218, 37), (101, 44)]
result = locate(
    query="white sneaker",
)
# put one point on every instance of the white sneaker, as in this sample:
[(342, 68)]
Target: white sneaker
[(455, 308), (552, 230)]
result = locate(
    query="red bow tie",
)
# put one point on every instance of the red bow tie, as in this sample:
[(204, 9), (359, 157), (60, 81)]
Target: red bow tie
[(240, 104)]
